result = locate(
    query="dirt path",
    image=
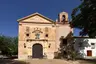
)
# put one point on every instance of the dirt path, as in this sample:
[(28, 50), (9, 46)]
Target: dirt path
[(55, 61), (58, 61), (45, 61)]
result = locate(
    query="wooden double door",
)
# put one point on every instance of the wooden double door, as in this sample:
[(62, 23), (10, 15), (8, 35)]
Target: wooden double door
[(37, 51)]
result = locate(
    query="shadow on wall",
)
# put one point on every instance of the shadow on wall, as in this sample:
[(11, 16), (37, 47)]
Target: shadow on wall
[(72, 49), (80, 45), (61, 53), (66, 49)]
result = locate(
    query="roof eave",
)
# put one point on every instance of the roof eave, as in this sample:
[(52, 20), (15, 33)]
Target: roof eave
[(33, 15)]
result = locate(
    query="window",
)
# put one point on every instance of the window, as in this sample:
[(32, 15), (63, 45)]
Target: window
[(64, 41), (92, 45), (27, 35), (37, 36), (65, 53), (46, 35)]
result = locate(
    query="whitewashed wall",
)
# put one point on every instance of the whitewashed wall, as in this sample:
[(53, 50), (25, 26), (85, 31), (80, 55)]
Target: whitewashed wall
[(84, 46)]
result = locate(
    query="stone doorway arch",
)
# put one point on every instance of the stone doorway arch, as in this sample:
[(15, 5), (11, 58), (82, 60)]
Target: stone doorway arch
[(37, 51)]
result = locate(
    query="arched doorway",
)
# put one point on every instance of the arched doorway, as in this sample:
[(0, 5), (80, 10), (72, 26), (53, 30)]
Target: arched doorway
[(37, 51)]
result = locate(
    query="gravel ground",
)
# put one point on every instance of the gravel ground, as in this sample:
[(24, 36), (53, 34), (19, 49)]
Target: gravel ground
[(59, 61), (45, 61)]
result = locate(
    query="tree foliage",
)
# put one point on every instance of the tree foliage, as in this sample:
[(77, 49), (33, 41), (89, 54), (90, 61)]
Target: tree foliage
[(84, 17), (66, 49), (8, 45)]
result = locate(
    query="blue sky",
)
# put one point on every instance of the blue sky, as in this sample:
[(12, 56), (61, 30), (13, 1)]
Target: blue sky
[(11, 10)]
